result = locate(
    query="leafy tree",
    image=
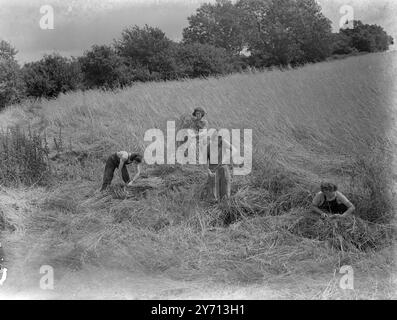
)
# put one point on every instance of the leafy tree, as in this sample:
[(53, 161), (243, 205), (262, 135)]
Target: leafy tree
[(7, 51), (148, 49), (270, 37), (216, 24), (203, 60), (282, 32), (52, 75), (313, 30), (341, 44), (367, 38), (102, 67), (11, 83)]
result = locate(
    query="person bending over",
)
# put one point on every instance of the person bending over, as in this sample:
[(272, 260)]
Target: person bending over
[(120, 160), (330, 202)]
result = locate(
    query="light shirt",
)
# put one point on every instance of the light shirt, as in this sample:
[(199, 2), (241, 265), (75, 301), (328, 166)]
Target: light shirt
[(124, 156)]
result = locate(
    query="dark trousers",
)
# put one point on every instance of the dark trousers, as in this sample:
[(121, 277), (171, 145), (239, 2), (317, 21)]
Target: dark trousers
[(219, 185), (111, 165)]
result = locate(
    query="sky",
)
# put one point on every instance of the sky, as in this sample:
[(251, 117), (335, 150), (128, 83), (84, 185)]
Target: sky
[(79, 24)]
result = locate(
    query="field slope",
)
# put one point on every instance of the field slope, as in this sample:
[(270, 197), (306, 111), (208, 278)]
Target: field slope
[(324, 121)]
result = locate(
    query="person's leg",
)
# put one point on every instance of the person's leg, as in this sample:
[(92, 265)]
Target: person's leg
[(228, 179), (216, 185), (211, 187), (224, 182), (124, 174), (186, 151), (202, 150), (108, 174)]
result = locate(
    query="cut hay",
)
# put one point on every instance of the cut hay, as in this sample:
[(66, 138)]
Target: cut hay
[(146, 183), (138, 189), (351, 234), (300, 138)]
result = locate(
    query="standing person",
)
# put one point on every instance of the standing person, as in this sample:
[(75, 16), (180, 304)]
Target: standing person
[(331, 202), (197, 123), (120, 160), (198, 120), (219, 173)]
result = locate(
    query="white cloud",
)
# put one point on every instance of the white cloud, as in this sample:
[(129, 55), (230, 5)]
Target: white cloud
[(82, 23)]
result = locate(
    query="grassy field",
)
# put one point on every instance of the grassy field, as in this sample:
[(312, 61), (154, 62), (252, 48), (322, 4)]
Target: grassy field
[(324, 121)]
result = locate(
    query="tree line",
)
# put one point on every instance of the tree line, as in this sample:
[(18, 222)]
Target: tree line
[(220, 38)]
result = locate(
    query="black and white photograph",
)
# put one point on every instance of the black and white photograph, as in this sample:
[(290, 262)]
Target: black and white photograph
[(217, 151)]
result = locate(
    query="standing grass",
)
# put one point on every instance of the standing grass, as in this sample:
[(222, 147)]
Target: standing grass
[(327, 121), (23, 158)]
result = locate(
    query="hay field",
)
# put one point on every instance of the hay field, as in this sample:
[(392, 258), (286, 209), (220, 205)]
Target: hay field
[(324, 121)]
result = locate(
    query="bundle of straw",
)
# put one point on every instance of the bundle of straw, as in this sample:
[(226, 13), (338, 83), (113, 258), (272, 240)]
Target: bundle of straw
[(147, 183), (349, 234)]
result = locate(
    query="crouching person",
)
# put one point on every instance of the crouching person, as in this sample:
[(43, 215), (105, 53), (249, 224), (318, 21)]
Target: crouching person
[(330, 202), (120, 160)]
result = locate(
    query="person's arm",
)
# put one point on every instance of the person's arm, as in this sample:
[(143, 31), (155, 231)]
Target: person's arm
[(202, 127), (210, 173), (347, 203), (137, 174), (122, 161), (233, 148), (123, 158), (233, 151), (315, 204)]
